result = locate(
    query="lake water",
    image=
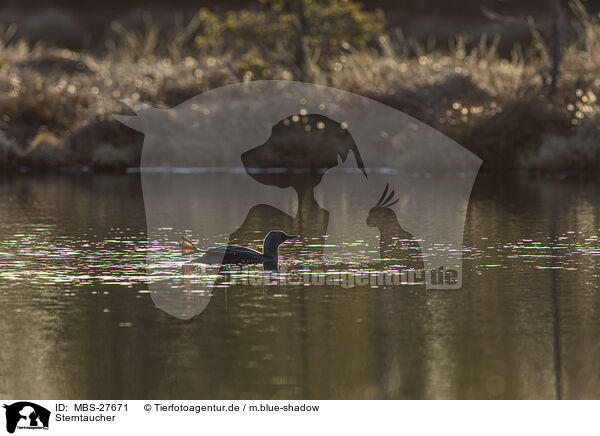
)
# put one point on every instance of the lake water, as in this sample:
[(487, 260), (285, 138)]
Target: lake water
[(78, 321)]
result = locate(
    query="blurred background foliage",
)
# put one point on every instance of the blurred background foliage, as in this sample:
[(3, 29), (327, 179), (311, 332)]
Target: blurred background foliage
[(515, 82), (330, 26)]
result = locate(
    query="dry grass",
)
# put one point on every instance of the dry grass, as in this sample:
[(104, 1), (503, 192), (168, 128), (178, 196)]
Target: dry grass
[(56, 104)]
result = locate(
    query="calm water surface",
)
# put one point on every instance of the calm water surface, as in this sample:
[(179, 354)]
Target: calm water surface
[(77, 319)]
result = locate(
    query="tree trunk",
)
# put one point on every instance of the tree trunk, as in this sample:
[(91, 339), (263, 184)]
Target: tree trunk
[(301, 30), (556, 21)]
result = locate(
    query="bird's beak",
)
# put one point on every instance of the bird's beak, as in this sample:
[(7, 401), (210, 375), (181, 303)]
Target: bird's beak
[(292, 236)]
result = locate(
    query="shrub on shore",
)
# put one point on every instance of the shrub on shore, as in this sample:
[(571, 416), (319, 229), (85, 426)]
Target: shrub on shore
[(56, 104)]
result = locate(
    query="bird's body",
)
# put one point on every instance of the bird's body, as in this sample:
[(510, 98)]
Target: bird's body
[(231, 254), (236, 255)]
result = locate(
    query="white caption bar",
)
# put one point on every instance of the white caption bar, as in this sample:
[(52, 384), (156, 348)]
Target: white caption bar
[(300, 417)]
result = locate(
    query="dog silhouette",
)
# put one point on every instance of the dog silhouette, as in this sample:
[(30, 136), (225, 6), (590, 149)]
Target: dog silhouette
[(300, 150), (13, 415)]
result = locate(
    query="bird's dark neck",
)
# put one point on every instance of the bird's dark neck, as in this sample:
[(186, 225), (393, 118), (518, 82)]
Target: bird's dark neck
[(270, 265), (270, 249)]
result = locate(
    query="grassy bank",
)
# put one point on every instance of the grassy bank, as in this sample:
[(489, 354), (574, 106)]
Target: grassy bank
[(55, 105)]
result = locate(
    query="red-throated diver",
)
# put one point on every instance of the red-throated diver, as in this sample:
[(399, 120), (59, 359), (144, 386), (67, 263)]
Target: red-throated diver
[(233, 254)]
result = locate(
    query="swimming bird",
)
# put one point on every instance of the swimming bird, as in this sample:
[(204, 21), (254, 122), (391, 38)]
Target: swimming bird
[(234, 254)]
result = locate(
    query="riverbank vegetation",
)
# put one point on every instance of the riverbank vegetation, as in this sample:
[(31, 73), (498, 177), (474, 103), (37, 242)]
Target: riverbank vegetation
[(56, 104)]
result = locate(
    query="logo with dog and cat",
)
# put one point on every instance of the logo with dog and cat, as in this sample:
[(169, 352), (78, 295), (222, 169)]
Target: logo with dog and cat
[(291, 176), (24, 415)]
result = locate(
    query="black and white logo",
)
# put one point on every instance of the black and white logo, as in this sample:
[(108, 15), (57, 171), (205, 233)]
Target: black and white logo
[(26, 415)]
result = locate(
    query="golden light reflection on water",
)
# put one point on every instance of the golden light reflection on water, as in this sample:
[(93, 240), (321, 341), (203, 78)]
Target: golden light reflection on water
[(77, 320)]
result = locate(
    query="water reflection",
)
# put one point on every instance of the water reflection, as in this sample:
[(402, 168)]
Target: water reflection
[(77, 320)]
